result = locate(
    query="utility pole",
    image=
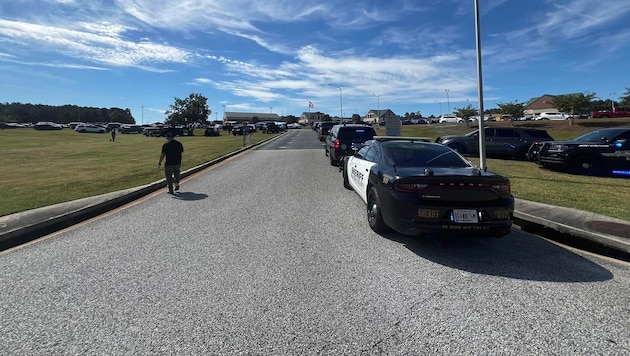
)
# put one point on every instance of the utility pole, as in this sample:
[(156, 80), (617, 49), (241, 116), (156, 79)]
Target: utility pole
[(378, 108), (448, 102), (340, 102)]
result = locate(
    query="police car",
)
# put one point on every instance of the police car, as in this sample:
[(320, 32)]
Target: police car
[(416, 187), (604, 152)]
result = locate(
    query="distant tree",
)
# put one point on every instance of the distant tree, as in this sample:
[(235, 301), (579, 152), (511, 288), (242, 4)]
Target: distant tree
[(624, 101), (356, 118), (514, 109), (574, 103), (466, 112), (189, 112), (291, 119)]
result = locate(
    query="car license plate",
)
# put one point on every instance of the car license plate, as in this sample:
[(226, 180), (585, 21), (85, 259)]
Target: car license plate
[(465, 216)]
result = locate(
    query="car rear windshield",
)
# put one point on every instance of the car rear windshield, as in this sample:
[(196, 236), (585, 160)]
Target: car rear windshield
[(419, 154), (356, 134)]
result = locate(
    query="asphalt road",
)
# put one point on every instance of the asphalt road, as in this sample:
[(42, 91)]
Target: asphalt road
[(267, 253)]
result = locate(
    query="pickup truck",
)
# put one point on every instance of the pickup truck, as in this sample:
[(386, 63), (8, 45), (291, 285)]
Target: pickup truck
[(610, 113)]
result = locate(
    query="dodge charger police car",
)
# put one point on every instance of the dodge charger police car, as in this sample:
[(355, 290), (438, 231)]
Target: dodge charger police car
[(416, 187), (600, 152)]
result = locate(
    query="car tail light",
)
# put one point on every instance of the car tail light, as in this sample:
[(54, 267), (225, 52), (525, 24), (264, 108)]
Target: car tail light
[(409, 187), (337, 144), (502, 188)]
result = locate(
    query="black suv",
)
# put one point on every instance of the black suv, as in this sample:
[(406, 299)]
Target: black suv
[(270, 127), (342, 140), (604, 152), (505, 142), (324, 128)]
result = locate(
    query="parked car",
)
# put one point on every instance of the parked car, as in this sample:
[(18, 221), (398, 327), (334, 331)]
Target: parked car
[(270, 127), (112, 126), (154, 131), (617, 112), (603, 152), (551, 115), (504, 142), (343, 139), (45, 125), (324, 128), (212, 131), (130, 129), (237, 130), (176, 131), (85, 128), (416, 187), (444, 119)]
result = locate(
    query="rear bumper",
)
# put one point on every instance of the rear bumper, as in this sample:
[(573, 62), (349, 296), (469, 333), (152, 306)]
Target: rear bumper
[(415, 218)]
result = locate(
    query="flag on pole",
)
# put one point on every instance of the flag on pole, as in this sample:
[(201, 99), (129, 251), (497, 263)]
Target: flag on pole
[(310, 105)]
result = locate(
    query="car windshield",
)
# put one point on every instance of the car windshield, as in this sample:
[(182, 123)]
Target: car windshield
[(420, 154), (598, 135)]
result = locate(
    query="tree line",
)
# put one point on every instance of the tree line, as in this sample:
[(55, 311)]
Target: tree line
[(32, 113)]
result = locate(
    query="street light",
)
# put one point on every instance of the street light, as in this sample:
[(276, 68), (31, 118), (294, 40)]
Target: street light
[(439, 102), (612, 101), (378, 108), (142, 114), (448, 101), (340, 102)]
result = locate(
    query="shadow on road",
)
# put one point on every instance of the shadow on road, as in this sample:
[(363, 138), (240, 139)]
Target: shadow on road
[(517, 255), (190, 196)]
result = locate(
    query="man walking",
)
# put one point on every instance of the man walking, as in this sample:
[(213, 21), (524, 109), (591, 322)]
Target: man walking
[(172, 150), (113, 139)]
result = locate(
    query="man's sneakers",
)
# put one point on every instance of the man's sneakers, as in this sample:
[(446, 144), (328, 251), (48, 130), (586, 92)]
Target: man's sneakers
[(171, 192), (176, 186)]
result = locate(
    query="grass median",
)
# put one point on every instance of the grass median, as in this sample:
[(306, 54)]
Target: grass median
[(42, 168)]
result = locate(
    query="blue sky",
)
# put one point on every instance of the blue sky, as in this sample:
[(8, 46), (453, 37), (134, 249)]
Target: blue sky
[(277, 55)]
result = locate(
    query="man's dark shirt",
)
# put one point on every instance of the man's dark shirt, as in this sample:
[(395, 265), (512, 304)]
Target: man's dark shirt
[(173, 152)]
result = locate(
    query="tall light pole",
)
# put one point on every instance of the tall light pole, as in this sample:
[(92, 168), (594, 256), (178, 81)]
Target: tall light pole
[(482, 131), (448, 102), (378, 108), (612, 101), (340, 102), (142, 114), (439, 102)]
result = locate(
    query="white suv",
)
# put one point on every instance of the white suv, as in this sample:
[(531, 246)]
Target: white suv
[(450, 119), (551, 115)]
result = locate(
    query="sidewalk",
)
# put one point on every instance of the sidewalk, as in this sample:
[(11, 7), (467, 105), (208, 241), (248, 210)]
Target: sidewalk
[(604, 230)]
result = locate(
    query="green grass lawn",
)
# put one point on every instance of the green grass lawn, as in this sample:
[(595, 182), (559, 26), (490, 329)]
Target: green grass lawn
[(42, 168)]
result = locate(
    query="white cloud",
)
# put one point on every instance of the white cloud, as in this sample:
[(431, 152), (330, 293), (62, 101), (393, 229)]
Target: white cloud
[(101, 43)]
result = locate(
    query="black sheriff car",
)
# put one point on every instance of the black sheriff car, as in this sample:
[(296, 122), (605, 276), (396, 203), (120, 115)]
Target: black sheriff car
[(603, 152), (416, 187)]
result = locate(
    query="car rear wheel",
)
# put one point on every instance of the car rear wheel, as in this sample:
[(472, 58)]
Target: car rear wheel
[(374, 216), (346, 180), (333, 162)]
